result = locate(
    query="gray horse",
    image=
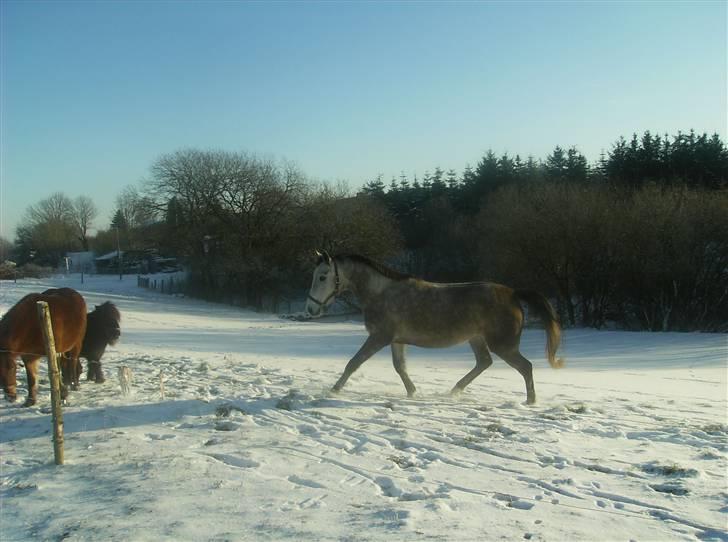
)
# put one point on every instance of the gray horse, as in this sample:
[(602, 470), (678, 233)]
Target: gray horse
[(400, 309)]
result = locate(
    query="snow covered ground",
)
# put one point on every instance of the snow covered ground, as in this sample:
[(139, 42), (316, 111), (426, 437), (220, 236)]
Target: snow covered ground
[(628, 442)]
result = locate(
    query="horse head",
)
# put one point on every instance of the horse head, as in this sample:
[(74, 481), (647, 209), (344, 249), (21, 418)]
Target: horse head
[(325, 284)]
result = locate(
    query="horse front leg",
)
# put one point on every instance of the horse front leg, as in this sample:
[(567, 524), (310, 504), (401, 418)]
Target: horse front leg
[(371, 346), (401, 367), (31, 373), (8, 379), (95, 372)]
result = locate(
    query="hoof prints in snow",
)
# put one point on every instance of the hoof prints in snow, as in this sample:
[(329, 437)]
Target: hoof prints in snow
[(235, 461), (246, 440)]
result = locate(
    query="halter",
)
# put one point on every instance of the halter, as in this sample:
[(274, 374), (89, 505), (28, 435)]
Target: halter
[(337, 284)]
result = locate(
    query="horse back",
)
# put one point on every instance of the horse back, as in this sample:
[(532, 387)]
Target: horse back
[(438, 314), (68, 316), (20, 329)]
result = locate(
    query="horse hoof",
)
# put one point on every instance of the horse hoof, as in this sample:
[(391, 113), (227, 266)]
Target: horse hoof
[(100, 380), (29, 402), (11, 398)]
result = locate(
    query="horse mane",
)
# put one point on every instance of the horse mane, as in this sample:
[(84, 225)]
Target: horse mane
[(107, 309), (376, 266)]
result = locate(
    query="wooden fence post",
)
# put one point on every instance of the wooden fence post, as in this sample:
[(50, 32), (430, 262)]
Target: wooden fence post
[(44, 314)]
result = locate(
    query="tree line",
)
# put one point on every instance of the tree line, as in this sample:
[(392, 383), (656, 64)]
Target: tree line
[(638, 239)]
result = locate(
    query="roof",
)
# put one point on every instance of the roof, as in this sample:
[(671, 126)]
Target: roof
[(110, 255)]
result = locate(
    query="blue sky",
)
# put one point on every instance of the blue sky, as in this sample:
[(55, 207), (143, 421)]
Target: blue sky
[(93, 92)]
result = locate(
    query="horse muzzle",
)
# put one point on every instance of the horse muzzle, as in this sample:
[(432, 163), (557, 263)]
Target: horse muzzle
[(114, 335), (314, 309)]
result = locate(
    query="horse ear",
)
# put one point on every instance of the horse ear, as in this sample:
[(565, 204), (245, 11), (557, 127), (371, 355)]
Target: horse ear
[(319, 257), (327, 258)]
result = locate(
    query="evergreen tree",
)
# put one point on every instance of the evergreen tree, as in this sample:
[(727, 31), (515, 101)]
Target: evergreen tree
[(119, 221), (531, 170), (577, 168), (375, 187), (427, 182), (599, 171), (468, 176), (393, 187), (518, 168), (438, 186), (556, 166), (452, 180), (506, 170), (403, 182)]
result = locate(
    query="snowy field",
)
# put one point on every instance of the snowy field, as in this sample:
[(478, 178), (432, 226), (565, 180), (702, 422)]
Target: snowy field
[(628, 442)]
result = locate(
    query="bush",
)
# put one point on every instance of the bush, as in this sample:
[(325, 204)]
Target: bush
[(32, 271), (8, 270), (655, 258)]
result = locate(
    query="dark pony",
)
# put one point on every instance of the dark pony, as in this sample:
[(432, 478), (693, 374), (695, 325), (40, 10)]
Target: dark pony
[(102, 329), (21, 335)]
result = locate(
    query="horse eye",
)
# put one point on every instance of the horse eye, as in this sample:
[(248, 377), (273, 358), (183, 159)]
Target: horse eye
[(322, 278)]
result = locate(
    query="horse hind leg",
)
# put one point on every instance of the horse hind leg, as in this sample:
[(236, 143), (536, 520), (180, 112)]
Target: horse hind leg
[(516, 360), (68, 370), (401, 367), (74, 364), (483, 360)]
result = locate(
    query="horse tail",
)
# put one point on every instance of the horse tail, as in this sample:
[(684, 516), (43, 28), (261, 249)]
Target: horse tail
[(540, 306)]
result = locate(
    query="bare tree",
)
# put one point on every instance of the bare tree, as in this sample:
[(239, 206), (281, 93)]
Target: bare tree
[(57, 208), (332, 220), (194, 179), (84, 213), (137, 209), (47, 229), (247, 224)]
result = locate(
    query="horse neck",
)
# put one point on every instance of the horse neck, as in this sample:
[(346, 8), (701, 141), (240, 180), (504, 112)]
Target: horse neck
[(362, 280)]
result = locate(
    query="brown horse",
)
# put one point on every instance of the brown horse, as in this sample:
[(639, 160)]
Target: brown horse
[(400, 309), (21, 335)]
